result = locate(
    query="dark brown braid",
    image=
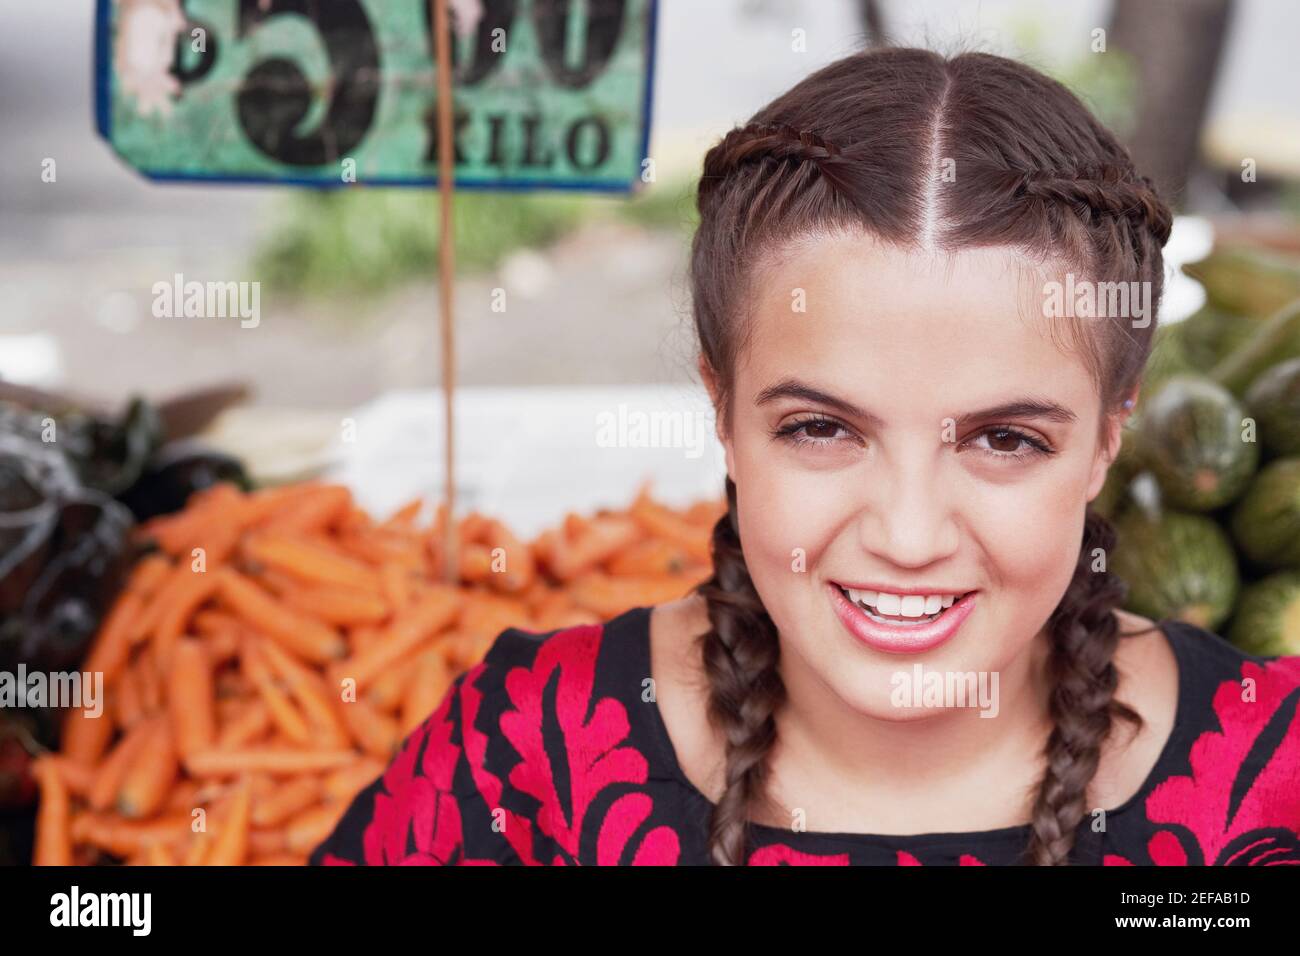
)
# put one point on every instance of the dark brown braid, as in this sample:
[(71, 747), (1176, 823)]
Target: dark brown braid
[(760, 142), (1034, 171), (740, 654), (1084, 635)]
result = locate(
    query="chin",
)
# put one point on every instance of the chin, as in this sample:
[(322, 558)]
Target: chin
[(869, 689)]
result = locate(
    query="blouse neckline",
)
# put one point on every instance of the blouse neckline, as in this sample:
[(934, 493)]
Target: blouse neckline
[(638, 621)]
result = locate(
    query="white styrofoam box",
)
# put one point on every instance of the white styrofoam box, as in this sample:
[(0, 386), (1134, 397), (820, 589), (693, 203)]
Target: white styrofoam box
[(528, 455)]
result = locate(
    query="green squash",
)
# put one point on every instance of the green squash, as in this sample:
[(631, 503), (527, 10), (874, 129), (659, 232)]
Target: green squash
[(1274, 340), (1191, 439), (1247, 280), (1267, 620), (1266, 522), (1169, 357), (1210, 335), (1274, 402), (1176, 565)]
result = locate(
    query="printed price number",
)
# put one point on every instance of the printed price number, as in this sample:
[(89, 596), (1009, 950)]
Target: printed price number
[(577, 40)]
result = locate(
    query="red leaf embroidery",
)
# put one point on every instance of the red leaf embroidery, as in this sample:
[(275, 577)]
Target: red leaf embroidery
[(1225, 817)]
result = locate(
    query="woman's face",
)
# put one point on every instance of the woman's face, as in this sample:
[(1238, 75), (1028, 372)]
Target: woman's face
[(914, 428)]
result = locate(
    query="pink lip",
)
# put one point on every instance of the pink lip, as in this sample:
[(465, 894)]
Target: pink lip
[(909, 639)]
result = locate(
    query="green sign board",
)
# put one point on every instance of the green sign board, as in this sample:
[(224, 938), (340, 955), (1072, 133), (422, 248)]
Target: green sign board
[(547, 93)]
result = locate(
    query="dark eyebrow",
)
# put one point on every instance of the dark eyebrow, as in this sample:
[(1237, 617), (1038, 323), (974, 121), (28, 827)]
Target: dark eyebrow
[(793, 388), (1019, 408)]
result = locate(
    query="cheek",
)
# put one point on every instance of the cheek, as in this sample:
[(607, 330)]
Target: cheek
[(1027, 530), (787, 519)]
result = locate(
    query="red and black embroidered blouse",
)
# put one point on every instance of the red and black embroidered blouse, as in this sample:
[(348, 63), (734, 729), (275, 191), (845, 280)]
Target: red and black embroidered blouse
[(549, 752)]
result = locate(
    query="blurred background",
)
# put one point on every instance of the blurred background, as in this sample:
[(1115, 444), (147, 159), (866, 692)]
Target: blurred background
[(338, 385)]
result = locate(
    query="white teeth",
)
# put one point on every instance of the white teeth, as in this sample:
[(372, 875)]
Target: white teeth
[(912, 605), (904, 605)]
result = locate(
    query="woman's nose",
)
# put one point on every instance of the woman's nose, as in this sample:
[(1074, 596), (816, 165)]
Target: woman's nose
[(908, 517)]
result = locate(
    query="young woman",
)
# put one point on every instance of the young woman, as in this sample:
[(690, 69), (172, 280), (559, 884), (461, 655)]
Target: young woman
[(912, 441)]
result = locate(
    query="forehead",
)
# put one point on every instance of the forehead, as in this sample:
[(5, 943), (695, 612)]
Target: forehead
[(911, 327)]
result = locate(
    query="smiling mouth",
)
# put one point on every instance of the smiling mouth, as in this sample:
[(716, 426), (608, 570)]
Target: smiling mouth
[(911, 610)]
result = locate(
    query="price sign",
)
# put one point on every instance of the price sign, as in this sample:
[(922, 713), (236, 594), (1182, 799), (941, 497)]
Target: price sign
[(547, 93)]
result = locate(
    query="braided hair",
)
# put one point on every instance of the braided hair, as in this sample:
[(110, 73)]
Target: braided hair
[(861, 144)]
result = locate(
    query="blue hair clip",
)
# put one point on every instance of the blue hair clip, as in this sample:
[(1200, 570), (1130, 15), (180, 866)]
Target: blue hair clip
[(1128, 403)]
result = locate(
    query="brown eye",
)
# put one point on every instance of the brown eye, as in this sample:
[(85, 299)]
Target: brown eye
[(1004, 440), (1009, 444), (816, 432), (821, 430)]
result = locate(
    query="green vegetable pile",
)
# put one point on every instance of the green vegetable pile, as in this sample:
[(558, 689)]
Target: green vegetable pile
[(1205, 494)]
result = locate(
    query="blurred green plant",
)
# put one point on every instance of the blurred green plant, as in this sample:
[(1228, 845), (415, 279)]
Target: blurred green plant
[(1106, 81), (369, 241)]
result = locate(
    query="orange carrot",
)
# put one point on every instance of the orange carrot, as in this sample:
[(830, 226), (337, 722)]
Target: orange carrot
[(85, 737), (409, 629), (157, 854), (186, 795), (274, 760), (197, 851), (209, 622), (310, 562), (190, 590), (78, 777), (305, 637), (520, 567), (705, 514), (217, 543), (485, 614), (252, 723), (112, 646), (151, 774), (430, 681), (148, 575), (312, 694), (307, 829), (191, 697), (149, 680), (128, 705), (395, 579), (405, 516), (292, 797), (346, 782), (475, 563), (321, 507), (266, 842), (342, 607), (663, 523), (609, 596), (223, 647), (550, 619), (598, 540), (109, 775), (230, 846), (652, 556), (376, 732), (176, 533), (53, 818), (389, 688), (284, 714), (126, 837)]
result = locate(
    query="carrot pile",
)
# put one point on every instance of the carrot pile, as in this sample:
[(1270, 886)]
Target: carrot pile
[(266, 659)]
